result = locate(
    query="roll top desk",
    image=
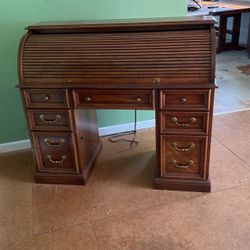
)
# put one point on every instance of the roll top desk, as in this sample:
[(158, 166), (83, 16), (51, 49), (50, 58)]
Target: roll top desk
[(69, 69)]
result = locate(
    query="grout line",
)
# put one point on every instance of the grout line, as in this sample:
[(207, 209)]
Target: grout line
[(94, 233), (127, 213), (231, 111), (230, 188), (218, 140)]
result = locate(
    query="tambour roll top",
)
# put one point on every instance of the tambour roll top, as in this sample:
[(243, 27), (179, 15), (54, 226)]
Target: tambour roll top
[(74, 53)]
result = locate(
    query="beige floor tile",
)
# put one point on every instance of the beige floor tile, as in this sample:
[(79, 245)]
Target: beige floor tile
[(211, 221), (15, 201), (73, 238), (233, 131), (234, 88), (44, 208), (119, 183), (226, 169)]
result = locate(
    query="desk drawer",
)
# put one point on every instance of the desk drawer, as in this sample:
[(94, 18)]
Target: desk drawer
[(55, 152), (50, 119), (185, 99), (122, 99), (46, 98), (184, 122), (183, 156)]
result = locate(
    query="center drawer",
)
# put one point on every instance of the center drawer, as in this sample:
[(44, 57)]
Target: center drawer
[(120, 99)]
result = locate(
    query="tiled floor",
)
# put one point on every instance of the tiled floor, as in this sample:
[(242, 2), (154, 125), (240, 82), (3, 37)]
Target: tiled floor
[(234, 85), (118, 209)]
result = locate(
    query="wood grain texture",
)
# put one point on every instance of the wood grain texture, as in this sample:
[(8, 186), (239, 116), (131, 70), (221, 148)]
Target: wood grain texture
[(67, 70), (118, 57)]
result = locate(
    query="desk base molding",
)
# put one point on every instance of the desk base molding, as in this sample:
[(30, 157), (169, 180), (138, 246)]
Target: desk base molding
[(183, 185)]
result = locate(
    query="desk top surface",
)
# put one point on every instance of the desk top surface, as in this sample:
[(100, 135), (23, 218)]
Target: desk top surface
[(121, 23)]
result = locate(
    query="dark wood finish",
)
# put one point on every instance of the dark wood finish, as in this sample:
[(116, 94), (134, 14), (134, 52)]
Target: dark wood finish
[(55, 152), (68, 70), (183, 149), (116, 58), (87, 138), (248, 40), (184, 122), (123, 25), (143, 99), (184, 99), (44, 98), (50, 119)]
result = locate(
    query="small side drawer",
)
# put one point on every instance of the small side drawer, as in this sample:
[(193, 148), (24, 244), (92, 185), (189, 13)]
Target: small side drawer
[(122, 99), (185, 99), (184, 122), (50, 119), (183, 156), (55, 152), (46, 98)]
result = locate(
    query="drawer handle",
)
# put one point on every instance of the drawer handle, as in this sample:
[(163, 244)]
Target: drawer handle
[(54, 144), (157, 80), (183, 166), (46, 98), (191, 120), (184, 149), (88, 99), (64, 157), (43, 118), (138, 99), (183, 99)]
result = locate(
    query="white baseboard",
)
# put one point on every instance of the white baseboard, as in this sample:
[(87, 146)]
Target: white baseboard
[(25, 144), (126, 127), (14, 146)]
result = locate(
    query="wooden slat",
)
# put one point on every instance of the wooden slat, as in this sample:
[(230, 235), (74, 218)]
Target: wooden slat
[(173, 54)]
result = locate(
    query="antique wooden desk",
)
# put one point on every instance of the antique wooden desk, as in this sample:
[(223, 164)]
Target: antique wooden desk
[(67, 70)]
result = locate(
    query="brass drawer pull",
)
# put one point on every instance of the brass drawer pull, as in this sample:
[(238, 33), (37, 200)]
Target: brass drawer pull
[(43, 118), (184, 149), (182, 166), (88, 99), (54, 144), (183, 99), (157, 80), (191, 120), (64, 157), (46, 98), (138, 99)]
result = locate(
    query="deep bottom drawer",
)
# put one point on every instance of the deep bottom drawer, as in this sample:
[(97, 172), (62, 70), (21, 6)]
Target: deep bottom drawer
[(183, 156), (55, 152)]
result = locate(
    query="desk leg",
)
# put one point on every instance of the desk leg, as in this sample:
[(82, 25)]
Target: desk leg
[(236, 31), (222, 34), (234, 44)]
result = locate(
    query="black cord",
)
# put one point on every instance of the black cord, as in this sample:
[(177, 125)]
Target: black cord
[(193, 8), (115, 138), (197, 3)]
